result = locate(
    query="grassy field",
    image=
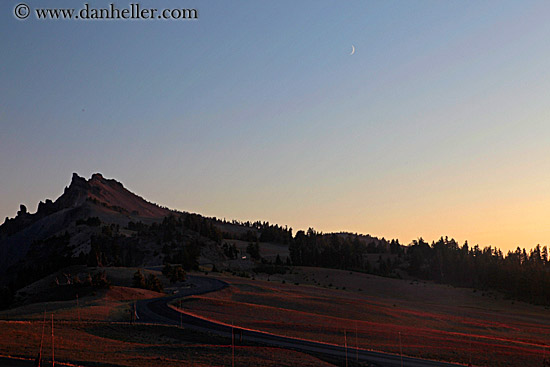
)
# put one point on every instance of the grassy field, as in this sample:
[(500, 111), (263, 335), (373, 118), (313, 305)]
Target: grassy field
[(433, 321), (116, 344), (96, 332)]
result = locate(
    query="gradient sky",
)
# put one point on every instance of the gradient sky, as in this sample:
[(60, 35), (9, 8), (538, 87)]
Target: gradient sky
[(437, 125)]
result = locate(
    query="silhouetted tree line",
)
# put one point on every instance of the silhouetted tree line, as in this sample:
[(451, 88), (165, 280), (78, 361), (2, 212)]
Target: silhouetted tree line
[(275, 233), (44, 257), (267, 232), (107, 248), (186, 255), (204, 226), (518, 274), (174, 273), (172, 227), (342, 251), (253, 249), (230, 250), (180, 237), (152, 282)]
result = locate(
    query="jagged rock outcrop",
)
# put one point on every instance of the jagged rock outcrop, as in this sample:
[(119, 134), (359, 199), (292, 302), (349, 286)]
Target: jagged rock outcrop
[(98, 196)]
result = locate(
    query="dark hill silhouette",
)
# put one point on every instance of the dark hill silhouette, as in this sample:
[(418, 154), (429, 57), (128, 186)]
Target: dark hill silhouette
[(98, 222), (106, 193), (105, 199)]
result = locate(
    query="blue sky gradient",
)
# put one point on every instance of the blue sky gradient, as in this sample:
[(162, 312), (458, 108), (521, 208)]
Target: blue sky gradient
[(437, 125)]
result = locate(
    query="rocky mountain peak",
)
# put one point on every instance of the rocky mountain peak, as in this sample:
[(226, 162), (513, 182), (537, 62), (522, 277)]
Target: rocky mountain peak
[(106, 194)]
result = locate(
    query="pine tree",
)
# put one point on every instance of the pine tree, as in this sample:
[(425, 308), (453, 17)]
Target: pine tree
[(139, 280)]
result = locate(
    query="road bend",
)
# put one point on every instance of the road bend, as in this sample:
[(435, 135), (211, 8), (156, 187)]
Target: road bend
[(157, 310)]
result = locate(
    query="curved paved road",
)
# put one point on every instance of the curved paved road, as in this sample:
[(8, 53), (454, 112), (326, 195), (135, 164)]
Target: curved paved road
[(157, 311)]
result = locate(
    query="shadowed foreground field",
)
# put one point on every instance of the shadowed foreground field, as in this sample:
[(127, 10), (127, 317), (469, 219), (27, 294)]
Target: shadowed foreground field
[(433, 321), (104, 337), (139, 345)]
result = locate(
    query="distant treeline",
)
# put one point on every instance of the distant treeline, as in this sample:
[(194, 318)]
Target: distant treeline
[(518, 274), (179, 239), (45, 257), (171, 228), (260, 231), (341, 250)]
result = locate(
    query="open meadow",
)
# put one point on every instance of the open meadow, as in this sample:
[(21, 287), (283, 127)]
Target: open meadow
[(96, 331), (433, 321), (123, 344)]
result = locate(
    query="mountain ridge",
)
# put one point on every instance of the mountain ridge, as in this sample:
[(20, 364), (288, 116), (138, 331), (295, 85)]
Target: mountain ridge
[(104, 198)]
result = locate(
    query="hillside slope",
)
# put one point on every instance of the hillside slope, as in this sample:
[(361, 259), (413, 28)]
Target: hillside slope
[(98, 197)]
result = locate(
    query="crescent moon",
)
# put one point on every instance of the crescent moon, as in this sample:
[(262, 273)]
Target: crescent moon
[(352, 49)]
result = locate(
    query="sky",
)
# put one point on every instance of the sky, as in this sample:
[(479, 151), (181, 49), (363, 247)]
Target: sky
[(437, 125)]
